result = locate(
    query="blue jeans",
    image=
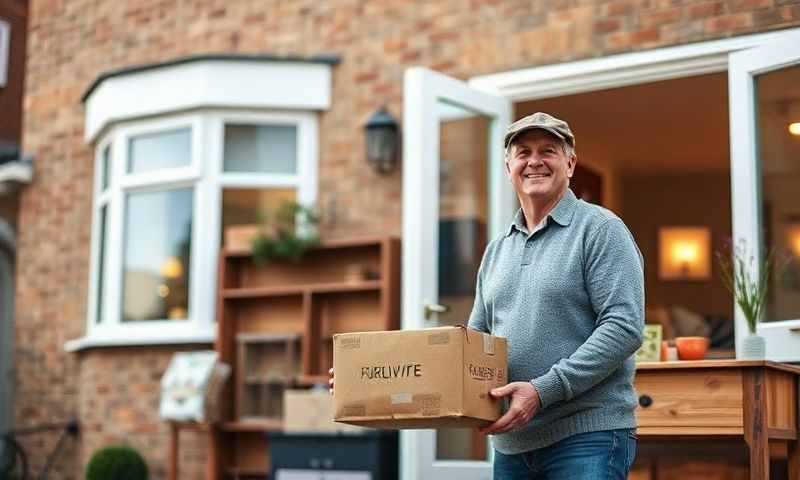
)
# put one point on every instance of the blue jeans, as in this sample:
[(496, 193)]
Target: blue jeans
[(606, 455)]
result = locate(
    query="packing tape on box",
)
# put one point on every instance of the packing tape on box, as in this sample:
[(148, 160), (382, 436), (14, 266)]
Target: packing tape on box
[(355, 410), (350, 342), (400, 398), (439, 338), (488, 344), (430, 404)]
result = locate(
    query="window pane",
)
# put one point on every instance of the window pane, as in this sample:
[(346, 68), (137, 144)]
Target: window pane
[(161, 150), (105, 167), (463, 216), (157, 251), (261, 148), (101, 261), (247, 206), (778, 108)]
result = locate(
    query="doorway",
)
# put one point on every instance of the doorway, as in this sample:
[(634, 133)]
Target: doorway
[(659, 155), (695, 76)]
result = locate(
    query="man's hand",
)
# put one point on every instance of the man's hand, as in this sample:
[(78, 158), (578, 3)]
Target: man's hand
[(524, 405), (330, 381)]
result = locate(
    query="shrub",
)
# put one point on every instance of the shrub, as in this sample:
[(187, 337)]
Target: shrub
[(116, 463)]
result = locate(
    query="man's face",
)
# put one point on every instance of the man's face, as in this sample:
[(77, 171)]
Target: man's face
[(537, 166)]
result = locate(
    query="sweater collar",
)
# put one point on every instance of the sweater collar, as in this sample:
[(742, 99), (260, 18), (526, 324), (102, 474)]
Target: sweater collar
[(562, 213)]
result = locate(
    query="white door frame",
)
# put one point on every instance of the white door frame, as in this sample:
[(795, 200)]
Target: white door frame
[(621, 70), (744, 66), (424, 90)]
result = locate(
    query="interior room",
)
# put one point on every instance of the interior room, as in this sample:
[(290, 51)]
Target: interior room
[(658, 155)]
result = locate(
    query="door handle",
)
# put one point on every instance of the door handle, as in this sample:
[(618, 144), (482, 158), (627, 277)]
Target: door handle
[(431, 308)]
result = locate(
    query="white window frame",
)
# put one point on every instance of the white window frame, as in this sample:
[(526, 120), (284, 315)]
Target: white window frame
[(205, 173), (305, 180), (5, 47)]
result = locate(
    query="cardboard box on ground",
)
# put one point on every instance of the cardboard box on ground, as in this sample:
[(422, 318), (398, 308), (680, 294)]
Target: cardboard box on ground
[(431, 378), (311, 411)]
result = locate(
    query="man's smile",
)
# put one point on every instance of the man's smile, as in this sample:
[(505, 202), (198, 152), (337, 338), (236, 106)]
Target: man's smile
[(536, 175)]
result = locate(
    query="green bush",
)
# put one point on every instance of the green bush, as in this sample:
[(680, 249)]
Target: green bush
[(116, 463)]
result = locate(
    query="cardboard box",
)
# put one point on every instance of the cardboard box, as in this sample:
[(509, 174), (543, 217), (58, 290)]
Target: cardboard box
[(432, 378), (240, 237), (311, 411)]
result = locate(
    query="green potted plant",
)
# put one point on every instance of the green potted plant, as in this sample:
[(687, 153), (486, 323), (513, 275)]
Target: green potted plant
[(749, 290), (288, 232), (118, 462)]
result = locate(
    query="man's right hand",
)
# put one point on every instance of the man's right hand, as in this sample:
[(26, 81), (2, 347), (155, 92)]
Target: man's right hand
[(330, 381)]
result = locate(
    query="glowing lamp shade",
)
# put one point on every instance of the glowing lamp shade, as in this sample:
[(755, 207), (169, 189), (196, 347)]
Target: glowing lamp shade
[(794, 240), (684, 253), (794, 128), (172, 268)]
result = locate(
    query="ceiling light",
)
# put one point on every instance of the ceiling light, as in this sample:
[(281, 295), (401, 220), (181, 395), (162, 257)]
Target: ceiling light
[(794, 128)]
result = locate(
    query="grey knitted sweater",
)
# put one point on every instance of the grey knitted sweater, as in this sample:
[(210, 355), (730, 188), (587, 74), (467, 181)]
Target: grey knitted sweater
[(570, 300)]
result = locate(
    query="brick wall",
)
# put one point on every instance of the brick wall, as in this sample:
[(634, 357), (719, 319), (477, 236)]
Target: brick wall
[(118, 400), (72, 42)]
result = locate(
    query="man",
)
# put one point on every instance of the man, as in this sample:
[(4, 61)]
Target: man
[(564, 284)]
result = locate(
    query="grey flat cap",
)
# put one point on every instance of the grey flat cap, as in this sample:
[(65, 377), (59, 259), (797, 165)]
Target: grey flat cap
[(542, 121)]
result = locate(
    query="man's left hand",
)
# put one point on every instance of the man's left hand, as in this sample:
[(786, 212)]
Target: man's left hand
[(524, 405)]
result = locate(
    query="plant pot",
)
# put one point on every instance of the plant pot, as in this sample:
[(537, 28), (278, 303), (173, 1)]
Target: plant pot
[(753, 347)]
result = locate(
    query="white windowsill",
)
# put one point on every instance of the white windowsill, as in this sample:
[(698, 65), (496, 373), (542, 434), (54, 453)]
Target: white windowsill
[(97, 341), (20, 172)]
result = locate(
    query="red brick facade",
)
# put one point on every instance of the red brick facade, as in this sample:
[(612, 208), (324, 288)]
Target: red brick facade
[(114, 392)]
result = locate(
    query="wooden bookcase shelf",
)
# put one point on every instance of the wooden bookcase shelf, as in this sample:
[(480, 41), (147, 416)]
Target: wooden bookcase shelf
[(339, 286), (289, 290)]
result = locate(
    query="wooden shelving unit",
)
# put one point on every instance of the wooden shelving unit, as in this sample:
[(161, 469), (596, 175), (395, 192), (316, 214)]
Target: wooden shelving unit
[(312, 300)]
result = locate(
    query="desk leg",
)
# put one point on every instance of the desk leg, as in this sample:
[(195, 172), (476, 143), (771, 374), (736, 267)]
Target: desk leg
[(755, 422), (794, 460)]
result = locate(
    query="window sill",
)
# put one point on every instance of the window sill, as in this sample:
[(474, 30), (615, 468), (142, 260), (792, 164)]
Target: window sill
[(106, 341), (18, 172)]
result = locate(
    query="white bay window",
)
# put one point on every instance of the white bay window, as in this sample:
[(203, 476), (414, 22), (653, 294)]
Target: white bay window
[(165, 189)]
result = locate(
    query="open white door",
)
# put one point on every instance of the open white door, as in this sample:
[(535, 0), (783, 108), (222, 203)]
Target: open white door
[(764, 93), (455, 197)]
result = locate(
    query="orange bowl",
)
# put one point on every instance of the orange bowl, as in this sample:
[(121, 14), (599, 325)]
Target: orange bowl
[(691, 348)]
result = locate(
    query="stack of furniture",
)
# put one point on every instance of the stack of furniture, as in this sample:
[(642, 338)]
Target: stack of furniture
[(275, 329)]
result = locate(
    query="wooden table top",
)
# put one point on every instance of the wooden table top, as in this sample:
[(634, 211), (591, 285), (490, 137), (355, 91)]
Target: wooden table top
[(687, 364)]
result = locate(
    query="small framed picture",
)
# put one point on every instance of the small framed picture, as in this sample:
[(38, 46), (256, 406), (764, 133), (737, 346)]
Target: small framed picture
[(650, 350)]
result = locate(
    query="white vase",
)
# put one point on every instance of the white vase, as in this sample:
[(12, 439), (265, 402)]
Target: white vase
[(753, 347)]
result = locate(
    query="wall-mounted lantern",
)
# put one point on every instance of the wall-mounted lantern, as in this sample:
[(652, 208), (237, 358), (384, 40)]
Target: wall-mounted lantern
[(383, 141)]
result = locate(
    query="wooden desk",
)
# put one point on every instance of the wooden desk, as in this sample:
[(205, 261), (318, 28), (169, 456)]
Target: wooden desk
[(724, 399)]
